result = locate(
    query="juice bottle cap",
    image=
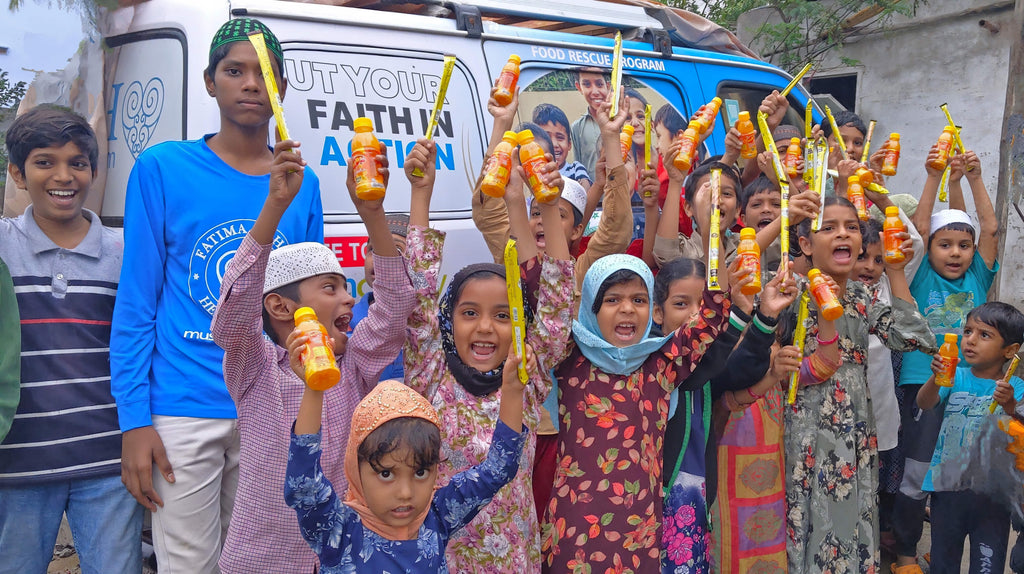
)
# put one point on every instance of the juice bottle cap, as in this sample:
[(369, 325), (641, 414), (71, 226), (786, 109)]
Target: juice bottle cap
[(748, 233), (894, 136), (794, 141), (524, 137), (853, 180), (892, 211), (950, 338), (510, 137), (629, 129), (363, 124), (694, 125), (304, 314), (717, 100), (744, 116), (948, 129), (813, 273), (514, 58)]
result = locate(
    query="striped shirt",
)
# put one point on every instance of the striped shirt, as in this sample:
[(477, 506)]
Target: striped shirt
[(66, 423)]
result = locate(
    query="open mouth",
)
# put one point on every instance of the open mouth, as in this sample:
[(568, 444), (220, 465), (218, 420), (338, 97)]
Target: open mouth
[(402, 511), (842, 255), (866, 278), (764, 222), (540, 240), (62, 197), (625, 332), (342, 323), (954, 267), (483, 351)]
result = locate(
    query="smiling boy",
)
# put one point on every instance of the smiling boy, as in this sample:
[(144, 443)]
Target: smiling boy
[(188, 207), (593, 85), (62, 454), (554, 122)]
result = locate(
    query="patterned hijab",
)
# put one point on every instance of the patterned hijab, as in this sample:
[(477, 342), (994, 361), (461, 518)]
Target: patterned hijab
[(475, 382), (387, 401), (587, 333)]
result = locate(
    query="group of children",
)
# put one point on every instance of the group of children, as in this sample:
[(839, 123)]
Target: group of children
[(653, 433)]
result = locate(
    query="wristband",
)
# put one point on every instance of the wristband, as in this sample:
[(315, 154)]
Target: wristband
[(765, 324), (736, 319), (829, 342), (754, 395)]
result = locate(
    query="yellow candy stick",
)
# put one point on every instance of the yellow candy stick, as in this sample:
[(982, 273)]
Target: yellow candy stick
[(799, 334), (867, 142), (715, 234), (878, 189), (260, 45), (808, 130), (616, 74), (1006, 377), (820, 173), (796, 79), (780, 173), (956, 130), (647, 136), (515, 303), (835, 130), (944, 185), (446, 76)]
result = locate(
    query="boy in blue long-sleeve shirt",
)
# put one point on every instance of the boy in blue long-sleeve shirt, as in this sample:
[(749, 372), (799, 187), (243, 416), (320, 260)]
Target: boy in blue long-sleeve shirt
[(188, 206)]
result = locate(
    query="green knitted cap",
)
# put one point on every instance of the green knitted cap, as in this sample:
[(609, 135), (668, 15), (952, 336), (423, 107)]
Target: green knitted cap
[(239, 29)]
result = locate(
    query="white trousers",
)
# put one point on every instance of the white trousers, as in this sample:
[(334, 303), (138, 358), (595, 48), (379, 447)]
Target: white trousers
[(189, 530)]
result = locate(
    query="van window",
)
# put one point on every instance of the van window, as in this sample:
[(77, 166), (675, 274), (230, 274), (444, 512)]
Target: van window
[(749, 98), (328, 87), (146, 104)]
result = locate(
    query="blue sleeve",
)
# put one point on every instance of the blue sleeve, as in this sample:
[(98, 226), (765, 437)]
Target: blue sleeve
[(322, 516), (315, 227), (472, 489), (981, 274), (1018, 388), (133, 330)]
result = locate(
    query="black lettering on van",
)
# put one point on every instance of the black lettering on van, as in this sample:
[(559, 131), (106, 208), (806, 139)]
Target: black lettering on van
[(342, 117), (398, 119), (315, 113), (376, 110), (384, 83), (411, 84)]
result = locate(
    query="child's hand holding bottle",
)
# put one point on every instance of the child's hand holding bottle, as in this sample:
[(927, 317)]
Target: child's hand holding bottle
[(504, 116)]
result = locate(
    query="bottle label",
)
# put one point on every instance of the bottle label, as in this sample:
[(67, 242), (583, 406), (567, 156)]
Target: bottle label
[(893, 253), (540, 191), (505, 81), (945, 377), (497, 170), (364, 165), (753, 262)]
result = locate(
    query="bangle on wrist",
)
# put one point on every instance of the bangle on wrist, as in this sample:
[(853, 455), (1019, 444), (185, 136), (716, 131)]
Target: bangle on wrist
[(754, 395), (828, 342)]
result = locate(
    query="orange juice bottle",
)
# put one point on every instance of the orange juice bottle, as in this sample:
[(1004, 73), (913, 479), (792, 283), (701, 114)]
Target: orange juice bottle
[(498, 166), (688, 150), (949, 355), (891, 227), (531, 155), (318, 357), (855, 193), (945, 145), (748, 136), (749, 254), (892, 155), (365, 147), (708, 114), (626, 140), (793, 155), (865, 176), (826, 300), (507, 80)]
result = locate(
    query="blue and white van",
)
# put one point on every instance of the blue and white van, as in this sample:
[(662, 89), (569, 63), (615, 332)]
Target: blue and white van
[(372, 58)]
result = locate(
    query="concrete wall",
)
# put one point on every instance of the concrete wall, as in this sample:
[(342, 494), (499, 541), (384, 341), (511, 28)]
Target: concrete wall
[(941, 55)]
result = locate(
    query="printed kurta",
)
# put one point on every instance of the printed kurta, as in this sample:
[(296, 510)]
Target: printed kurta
[(606, 505), (504, 537), (831, 448)]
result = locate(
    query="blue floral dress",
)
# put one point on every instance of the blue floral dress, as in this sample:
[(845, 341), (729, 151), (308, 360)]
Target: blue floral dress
[(344, 546)]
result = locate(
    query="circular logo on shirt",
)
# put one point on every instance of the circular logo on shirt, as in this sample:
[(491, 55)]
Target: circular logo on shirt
[(210, 256)]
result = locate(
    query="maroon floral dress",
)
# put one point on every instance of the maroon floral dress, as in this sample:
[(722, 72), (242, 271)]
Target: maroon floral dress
[(606, 504)]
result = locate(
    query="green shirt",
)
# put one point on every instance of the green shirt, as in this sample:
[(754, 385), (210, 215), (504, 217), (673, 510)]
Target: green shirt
[(10, 351)]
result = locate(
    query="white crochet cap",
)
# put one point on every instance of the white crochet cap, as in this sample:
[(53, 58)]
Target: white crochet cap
[(291, 263), (949, 216), (573, 192)]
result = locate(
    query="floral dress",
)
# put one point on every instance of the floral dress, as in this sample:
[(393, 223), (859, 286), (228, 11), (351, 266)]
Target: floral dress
[(505, 536), (345, 546), (606, 506), (831, 450)]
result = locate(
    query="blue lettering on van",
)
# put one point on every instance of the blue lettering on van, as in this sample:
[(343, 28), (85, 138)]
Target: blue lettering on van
[(112, 112), (333, 153)]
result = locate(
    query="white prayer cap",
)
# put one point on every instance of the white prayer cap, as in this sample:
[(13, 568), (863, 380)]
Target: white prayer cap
[(291, 263), (949, 216), (573, 192)]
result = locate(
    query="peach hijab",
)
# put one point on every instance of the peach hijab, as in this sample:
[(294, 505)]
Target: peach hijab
[(387, 401)]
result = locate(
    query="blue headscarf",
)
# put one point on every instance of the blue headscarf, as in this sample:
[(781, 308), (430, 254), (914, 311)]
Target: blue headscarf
[(601, 353)]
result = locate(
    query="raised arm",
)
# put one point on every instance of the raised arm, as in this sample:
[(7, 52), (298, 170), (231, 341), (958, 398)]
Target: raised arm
[(923, 215), (988, 238)]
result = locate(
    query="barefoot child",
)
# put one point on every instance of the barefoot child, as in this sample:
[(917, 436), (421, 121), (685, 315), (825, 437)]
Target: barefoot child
[(261, 291), (391, 518), (830, 430)]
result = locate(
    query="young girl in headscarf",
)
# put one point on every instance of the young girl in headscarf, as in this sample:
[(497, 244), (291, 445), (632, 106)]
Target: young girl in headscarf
[(392, 519), (606, 506), (453, 357)]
